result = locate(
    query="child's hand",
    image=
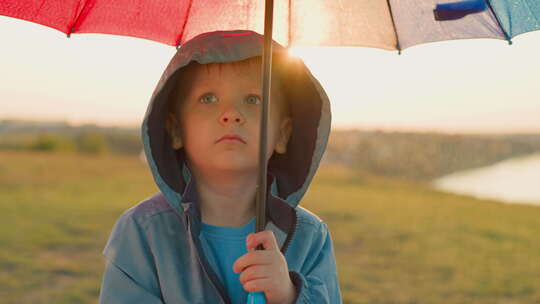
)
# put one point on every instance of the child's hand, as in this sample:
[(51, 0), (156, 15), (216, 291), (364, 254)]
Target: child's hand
[(265, 270)]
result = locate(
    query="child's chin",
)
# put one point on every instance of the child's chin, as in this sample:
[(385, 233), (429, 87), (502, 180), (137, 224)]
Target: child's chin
[(236, 163)]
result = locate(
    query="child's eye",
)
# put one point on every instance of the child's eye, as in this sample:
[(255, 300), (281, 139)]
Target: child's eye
[(208, 98), (253, 99)]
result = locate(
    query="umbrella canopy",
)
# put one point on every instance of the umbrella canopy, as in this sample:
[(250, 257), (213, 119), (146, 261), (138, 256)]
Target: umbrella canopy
[(385, 24)]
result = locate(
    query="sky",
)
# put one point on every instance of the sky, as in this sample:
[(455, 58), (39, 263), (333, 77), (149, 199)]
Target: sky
[(459, 86)]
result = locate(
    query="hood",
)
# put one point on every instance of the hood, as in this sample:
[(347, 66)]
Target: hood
[(289, 174)]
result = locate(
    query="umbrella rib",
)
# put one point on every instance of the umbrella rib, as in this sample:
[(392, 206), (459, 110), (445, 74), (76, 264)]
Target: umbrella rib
[(184, 25), (394, 26), (71, 28), (499, 22)]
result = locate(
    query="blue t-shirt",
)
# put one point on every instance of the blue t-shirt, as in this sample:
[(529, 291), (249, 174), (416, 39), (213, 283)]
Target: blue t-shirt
[(223, 246)]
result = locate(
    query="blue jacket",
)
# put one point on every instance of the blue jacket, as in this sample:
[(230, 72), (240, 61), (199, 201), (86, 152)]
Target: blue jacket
[(154, 255)]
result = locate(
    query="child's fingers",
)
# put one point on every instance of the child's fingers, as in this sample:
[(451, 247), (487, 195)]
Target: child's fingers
[(254, 272), (258, 257), (266, 238), (257, 285)]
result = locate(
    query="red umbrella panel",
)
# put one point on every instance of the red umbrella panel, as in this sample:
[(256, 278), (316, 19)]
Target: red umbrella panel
[(385, 24)]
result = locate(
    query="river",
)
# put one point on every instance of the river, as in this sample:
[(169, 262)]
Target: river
[(515, 180)]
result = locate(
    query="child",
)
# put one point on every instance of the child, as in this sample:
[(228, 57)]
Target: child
[(193, 242)]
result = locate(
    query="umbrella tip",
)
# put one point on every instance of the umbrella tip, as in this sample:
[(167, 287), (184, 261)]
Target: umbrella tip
[(71, 30)]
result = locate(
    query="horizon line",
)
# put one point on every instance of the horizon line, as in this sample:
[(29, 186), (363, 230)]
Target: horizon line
[(343, 127)]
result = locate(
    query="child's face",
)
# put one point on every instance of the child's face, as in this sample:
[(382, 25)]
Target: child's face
[(227, 99)]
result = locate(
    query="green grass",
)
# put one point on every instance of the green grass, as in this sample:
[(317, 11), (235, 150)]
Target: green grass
[(396, 241), (56, 212)]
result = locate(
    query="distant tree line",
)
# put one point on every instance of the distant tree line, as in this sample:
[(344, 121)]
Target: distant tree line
[(62, 137), (423, 156), (418, 156), (95, 143)]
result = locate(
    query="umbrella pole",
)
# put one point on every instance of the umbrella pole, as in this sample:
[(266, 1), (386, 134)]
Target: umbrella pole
[(266, 77), (258, 297)]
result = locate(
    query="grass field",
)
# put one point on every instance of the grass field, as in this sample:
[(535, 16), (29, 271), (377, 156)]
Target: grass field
[(396, 241)]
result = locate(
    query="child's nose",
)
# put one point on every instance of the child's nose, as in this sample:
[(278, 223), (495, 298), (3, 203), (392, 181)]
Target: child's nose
[(232, 115)]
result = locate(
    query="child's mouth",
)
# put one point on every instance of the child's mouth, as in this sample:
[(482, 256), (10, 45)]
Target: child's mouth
[(231, 138)]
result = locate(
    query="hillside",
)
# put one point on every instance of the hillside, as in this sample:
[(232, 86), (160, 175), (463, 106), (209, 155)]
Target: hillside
[(396, 241)]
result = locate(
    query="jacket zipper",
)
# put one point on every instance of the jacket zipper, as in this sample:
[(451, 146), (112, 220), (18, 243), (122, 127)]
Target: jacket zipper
[(186, 217), (290, 234)]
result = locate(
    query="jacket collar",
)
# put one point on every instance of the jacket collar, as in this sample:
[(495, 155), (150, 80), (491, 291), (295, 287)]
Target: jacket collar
[(278, 212)]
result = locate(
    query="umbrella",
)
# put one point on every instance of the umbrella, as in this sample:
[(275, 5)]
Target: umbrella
[(389, 25)]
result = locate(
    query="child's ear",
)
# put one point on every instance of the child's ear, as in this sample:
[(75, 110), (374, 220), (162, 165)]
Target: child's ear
[(285, 130), (172, 126)]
